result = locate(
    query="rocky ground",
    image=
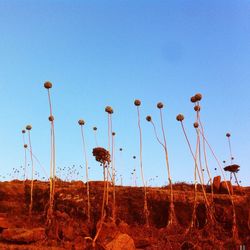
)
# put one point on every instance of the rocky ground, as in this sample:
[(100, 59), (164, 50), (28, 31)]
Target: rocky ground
[(70, 228)]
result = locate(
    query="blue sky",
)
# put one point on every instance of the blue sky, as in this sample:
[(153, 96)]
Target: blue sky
[(99, 53)]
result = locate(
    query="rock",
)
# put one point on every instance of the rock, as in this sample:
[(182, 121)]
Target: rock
[(21, 235), (216, 184), (121, 242), (224, 187)]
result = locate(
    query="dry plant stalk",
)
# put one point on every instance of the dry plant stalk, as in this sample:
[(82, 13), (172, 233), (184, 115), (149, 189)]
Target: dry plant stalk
[(234, 229), (81, 123), (25, 155), (48, 86), (109, 111), (113, 175), (172, 211), (28, 128), (180, 118), (103, 156), (137, 103)]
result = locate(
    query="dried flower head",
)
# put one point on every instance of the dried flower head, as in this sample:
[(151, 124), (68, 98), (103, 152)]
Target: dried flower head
[(134, 157), (160, 105), (228, 134), (180, 117), (23, 131), (28, 127), (198, 97), (149, 118), (137, 102), (197, 108), (120, 149), (51, 118), (25, 145), (193, 99), (224, 161), (109, 110), (113, 133), (101, 155), (81, 122), (196, 124), (94, 128), (47, 85)]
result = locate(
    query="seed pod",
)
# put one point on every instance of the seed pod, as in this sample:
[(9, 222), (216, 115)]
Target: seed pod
[(137, 102), (25, 145), (81, 122), (198, 97), (149, 118), (47, 85), (180, 117), (228, 134), (109, 110), (51, 118), (28, 127), (160, 105), (193, 99), (197, 108), (94, 128), (23, 131), (196, 124)]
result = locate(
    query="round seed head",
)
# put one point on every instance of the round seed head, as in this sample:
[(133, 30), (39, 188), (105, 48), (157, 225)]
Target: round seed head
[(197, 108), (149, 118), (120, 149), (134, 157), (47, 85), (113, 133), (137, 102), (94, 128), (25, 145), (109, 110), (228, 134), (224, 161), (180, 117), (198, 97), (193, 99), (51, 118), (160, 105), (28, 127), (196, 124), (81, 122), (23, 131)]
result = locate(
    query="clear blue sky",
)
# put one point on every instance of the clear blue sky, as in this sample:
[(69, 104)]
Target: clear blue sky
[(99, 53)]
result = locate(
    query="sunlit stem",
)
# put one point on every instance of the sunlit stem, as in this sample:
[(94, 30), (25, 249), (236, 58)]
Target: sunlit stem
[(32, 176), (172, 213), (113, 176), (234, 229), (141, 167), (86, 171)]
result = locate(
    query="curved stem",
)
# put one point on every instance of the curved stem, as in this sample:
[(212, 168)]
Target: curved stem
[(86, 171), (141, 166)]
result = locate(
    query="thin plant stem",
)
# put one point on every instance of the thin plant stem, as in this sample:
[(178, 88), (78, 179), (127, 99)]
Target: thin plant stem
[(86, 172), (234, 229), (113, 177), (172, 213), (32, 176), (141, 166)]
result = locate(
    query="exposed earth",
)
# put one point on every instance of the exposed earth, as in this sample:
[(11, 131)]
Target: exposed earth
[(70, 228)]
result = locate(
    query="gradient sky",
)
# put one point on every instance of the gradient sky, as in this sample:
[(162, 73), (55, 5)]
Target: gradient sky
[(99, 53)]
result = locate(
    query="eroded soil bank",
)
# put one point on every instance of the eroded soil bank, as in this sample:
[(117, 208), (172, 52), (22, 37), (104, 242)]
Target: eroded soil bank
[(70, 228)]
